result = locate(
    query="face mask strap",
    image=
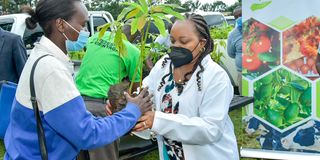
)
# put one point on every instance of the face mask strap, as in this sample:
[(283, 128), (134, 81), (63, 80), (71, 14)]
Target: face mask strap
[(65, 36), (71, 26), (193, 59), (195, 47), (197, 54)]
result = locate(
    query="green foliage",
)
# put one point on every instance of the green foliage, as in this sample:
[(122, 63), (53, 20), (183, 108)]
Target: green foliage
[(219, 49), (219, 35), (258, 6), (141, 13), (14, 6), (282, 98), (267, 57), (220, 32), (157, 51), (232, 7), (2, 150), (177, 2), (76, 55), (217, 6), (112, 6), (191, 5)]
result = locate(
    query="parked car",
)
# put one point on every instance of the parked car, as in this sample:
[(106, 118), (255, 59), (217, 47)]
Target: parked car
[(214, 19), (230, 20), (130, 146)]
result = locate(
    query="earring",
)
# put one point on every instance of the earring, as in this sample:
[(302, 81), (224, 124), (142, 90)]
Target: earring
[(202, 50)]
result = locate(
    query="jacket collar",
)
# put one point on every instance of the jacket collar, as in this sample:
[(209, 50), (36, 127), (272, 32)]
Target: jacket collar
[(52, 49), (206, 60)]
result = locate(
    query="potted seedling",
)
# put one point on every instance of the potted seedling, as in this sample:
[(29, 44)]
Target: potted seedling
[(141, 14)]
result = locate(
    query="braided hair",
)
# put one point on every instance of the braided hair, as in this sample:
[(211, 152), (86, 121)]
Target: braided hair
[(165, 76), (203, 31)]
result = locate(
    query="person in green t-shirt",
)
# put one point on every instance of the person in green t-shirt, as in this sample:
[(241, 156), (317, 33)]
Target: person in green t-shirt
[(102, 67)]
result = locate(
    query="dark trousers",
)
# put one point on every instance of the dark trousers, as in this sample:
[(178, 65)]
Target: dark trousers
[(108, 152)]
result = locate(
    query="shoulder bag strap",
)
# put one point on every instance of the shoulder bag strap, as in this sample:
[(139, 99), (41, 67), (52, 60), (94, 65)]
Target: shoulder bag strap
[(40, 131)]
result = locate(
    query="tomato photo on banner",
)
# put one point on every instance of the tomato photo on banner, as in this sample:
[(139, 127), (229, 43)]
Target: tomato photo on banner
[(261, 48), (300, 47)]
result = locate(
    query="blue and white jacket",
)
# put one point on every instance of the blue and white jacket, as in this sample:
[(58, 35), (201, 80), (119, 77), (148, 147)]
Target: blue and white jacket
[(68, 126)]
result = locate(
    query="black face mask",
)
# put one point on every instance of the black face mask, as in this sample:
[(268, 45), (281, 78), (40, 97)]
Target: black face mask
[(181, 56)]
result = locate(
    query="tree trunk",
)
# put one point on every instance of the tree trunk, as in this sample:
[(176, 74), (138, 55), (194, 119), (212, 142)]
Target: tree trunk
[(4, 5)]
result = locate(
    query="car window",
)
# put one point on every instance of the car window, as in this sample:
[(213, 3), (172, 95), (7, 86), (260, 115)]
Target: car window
[(6, 24), (214, 20), (32, 36), (98, 21), (231, 22)]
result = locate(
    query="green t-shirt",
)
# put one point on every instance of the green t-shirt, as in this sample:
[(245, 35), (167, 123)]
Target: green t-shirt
[(101, 66)]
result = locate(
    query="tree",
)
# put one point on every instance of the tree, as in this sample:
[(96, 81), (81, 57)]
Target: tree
[(177, 2), (5, 5), (232, 7), (8, 6), (112, 6), (207, 7), (13, 6), (219, 6), (187, 5), (196, 5), (191, 6)]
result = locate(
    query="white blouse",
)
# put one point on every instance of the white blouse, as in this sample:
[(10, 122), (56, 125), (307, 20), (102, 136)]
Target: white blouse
[(202, 123)]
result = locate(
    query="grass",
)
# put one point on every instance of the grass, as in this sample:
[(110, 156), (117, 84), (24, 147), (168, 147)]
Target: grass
[(242, 138), (236, 119), (1, 150)]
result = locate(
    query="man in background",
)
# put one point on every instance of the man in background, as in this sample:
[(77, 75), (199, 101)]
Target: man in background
[(13, 56), (234, 44)]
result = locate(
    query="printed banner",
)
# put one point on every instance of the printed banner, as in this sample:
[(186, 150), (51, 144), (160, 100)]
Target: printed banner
[(280, 44)]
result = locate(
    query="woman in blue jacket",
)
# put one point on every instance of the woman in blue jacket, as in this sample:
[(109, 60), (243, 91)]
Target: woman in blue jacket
[(68, 127)]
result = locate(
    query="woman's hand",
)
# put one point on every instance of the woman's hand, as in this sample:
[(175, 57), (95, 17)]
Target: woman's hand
[(145, 122)]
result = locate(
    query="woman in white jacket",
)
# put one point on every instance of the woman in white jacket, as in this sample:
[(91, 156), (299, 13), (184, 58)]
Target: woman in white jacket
[(192, 97)]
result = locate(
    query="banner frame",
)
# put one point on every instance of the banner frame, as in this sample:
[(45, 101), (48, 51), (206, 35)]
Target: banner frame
[(277, 155)]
